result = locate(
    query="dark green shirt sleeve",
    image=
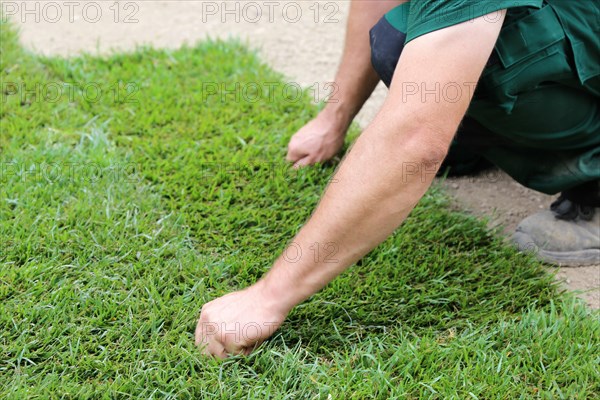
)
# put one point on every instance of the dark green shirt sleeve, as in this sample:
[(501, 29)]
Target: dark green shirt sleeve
[(419, 17)]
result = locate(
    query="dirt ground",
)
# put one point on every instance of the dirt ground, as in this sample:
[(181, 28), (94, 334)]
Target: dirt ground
[(302, 39)]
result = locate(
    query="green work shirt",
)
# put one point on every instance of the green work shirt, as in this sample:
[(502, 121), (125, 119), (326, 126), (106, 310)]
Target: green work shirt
[(524, 32), (419, 17), (541, 88)]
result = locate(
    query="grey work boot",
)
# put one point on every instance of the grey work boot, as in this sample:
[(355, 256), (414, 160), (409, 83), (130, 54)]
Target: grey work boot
[(568, 235)]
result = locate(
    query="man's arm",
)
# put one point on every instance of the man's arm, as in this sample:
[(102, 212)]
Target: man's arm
[(355, 80), (381, 179)]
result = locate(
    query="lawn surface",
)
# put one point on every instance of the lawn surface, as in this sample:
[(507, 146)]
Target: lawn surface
[(124, 209)]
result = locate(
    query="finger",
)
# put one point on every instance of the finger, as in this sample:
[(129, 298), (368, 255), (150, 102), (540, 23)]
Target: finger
[(293, 156), (202, 341), (235, 348), (203, 344), (205, 339), (198, 335), (303, 162), (216, 350), (204, 330), (295, 152), (247, 350)]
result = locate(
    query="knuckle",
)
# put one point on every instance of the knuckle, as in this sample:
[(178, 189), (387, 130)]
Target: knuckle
[(205, 315)]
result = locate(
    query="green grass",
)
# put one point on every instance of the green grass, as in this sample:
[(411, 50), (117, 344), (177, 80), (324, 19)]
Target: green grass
[(117, 226)]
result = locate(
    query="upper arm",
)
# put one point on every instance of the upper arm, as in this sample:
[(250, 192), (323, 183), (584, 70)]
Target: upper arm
[(435, 78)]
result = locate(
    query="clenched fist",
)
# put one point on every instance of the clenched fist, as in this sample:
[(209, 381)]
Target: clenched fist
[(238, 322)]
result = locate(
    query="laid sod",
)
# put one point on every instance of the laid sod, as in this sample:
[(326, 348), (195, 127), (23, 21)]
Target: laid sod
[(124, 209)]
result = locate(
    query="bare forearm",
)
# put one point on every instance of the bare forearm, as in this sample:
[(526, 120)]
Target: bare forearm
[(356, 79), (376, 187)]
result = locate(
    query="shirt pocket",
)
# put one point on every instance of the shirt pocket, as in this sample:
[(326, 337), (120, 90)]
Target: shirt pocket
[(531, 51), (587, 62)]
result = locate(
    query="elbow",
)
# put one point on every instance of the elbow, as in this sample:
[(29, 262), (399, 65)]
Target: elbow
[(421, 146), (417, 140), (426, 148), (431, 153)]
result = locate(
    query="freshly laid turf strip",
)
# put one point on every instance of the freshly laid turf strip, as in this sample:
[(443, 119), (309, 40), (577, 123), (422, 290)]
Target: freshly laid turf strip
[(123, 211)]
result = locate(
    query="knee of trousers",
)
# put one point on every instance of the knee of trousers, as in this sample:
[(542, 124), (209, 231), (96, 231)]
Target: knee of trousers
[(387, 44)]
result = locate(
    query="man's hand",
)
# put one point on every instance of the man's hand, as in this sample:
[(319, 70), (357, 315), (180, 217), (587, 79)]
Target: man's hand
[(355, 80), (238, 322), (317, 141)]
